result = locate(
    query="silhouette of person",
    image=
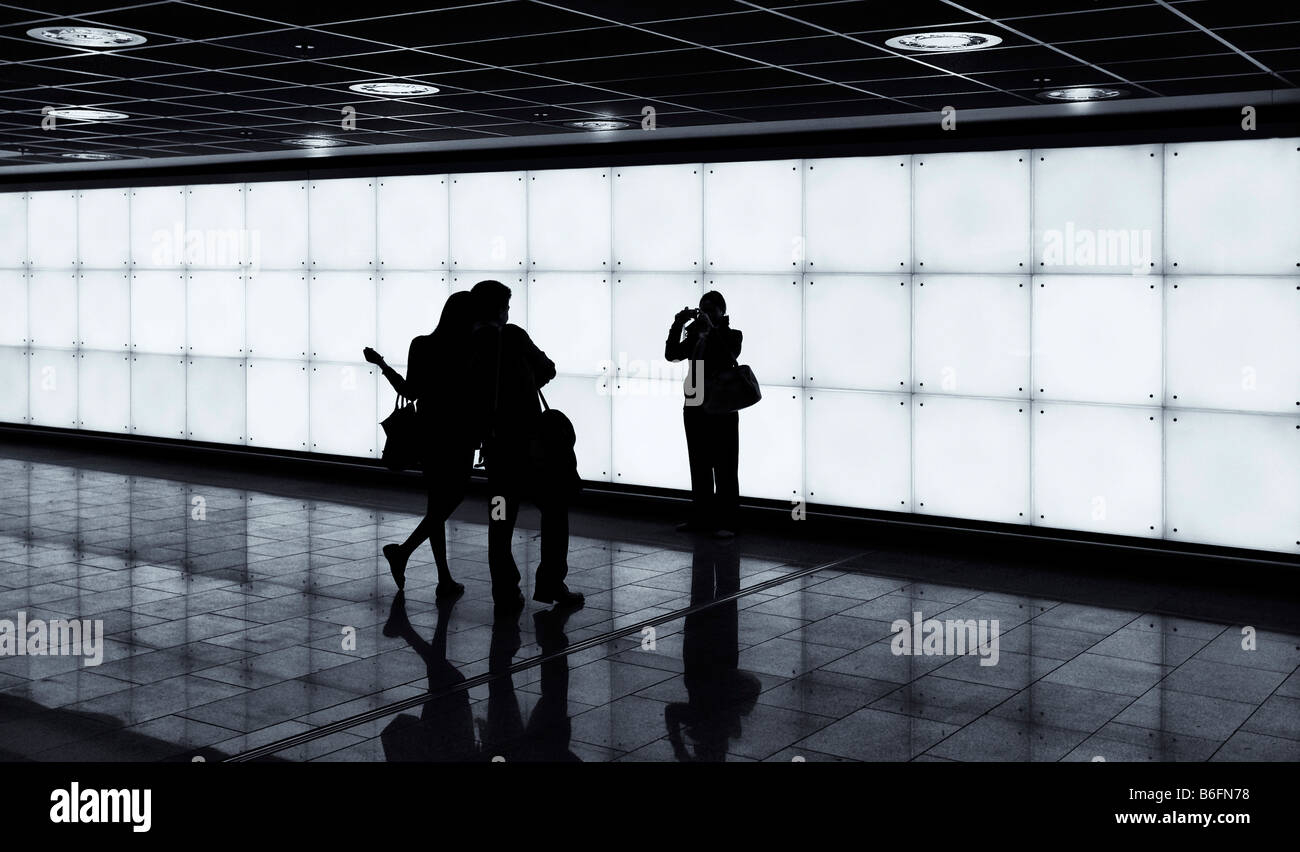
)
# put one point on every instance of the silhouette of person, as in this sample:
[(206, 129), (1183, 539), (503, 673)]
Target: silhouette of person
[(435, 379), (712, 440), (507, 370), (545, 738), (445, 730), (719, 694)]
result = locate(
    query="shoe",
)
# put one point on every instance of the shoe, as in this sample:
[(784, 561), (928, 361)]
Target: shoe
[(560, 596), (397, 621), (723, 534), (509, 605), (396, 563), (449, 591)]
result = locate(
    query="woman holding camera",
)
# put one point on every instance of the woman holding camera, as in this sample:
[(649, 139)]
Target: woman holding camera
[(712, 440)]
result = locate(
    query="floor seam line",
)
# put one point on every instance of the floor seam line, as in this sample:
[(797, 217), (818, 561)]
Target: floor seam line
[(523, 665)]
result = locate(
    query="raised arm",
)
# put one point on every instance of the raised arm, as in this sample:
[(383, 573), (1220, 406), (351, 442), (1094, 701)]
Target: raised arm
[(675, 348), (403, 386)]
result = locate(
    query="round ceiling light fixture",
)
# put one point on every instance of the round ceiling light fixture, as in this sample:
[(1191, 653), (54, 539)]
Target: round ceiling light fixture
[(598, 124), (89, 155), (943, 41), (394, 89), (86, 36), (1083, 93), (85, 114), (315, 142)]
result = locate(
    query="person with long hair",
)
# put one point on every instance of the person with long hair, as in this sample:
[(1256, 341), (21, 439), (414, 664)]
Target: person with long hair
[(436, 379)]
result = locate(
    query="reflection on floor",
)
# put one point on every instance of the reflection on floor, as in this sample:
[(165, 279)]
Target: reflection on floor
[(236, 618)]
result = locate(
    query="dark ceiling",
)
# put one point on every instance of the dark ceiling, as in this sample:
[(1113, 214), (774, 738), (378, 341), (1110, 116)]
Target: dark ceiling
[(242, 78)]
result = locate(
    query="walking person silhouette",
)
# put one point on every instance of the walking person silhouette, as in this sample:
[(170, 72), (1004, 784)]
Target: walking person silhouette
[(507, 372), (712, 440), (436, 378)]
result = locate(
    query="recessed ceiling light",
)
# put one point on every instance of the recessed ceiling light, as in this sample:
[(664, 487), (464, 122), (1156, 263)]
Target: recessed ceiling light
[(89, 155), (394, 89), (943, 41), (1083, 93), (84, 114), (315, 142), (598, 124), (86, 36)]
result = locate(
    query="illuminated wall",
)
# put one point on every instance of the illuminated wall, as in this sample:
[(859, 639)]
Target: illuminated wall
[(1101, 339)]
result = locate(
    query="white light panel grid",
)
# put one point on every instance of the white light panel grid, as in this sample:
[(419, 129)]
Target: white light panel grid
[(1098, 338), (1233, 479), (638, 341), (771, 446), (489, 228), (14, 368), (970, 334), (568, 219), (342, 409), (1109, 390), (341, 214), (409, 305), (276, 216), (215, 313), (13, 319), (342, 315), (52, 308), (104, 391), (158, 311), (104, 310), (158, 236), (1231, 207), (753, 218), (52, 388), (858, 449), (13, 236), (1098, 210), (970, 458), (104, 228), (858, 214), (1097, 468), (277, 404), (277, 315), (658, 218), (1233, 343), (215, 400), (858, 331), (971, 212), (648, 437), (216, 236), (411, 222), (569, 318), (158, 395), (51, 229)]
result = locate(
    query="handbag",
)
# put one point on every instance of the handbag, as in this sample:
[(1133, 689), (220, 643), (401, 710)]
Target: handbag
[(402, 435), (552, 452), (551, 456), (732, 389)]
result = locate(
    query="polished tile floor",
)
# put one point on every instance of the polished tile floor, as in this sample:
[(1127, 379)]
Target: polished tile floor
[(243, 610)]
